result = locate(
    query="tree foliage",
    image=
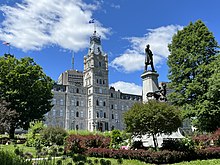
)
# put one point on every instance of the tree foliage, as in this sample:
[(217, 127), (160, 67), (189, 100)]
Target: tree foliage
[(7, 116), (24, 85), (192, 52), (152, 118)]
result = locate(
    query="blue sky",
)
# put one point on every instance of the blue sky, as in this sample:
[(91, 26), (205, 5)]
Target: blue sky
[(51, 30)]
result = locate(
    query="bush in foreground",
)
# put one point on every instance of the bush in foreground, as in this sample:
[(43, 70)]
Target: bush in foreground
[(12, 159)]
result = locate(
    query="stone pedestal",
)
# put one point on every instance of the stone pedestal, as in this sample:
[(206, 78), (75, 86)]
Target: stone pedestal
[(150, 84)]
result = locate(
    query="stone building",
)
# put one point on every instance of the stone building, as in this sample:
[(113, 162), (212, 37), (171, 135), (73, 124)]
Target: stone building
[(84, 100)]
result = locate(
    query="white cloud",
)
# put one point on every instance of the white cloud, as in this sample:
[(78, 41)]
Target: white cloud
[(32, 25), (126, 87), (133, 59), (115, 6)]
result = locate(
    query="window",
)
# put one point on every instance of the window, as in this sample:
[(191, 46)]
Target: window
[(103, 82), (54, 101), (90, 103), (90, 126), (104, 103), (89, 114), (72, 102), (101, 114), (100, 64), (97, 114), (116, 106), (72, 113), (61, 101), (100, 90), (77, 103), (97, 102), (100, 81), (81, 113), (61, 112), (104, 115), (77, 90), (97, 81), (54, 112), (82, 103), (112, 116), (81, 125), (112, 106), (77, 114), (111, 94)]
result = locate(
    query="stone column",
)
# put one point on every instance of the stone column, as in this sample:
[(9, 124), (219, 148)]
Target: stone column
[(150, 84)]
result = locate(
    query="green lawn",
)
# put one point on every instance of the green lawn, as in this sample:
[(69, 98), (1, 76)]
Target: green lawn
[(11, 148), (201, 162)]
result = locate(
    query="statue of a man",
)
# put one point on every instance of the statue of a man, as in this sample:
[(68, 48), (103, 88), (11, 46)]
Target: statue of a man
[(149, 58)]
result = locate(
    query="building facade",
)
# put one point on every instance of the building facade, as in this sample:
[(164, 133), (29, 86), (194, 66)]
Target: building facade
[(84, 100)]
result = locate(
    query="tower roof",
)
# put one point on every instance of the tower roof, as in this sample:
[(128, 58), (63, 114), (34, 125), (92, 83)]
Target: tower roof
[(95, 39)]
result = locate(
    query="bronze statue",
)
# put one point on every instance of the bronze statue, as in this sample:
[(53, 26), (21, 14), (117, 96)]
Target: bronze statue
[(149, 58)]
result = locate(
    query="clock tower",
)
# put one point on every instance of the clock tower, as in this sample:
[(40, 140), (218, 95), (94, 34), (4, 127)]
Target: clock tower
[(95, 80)]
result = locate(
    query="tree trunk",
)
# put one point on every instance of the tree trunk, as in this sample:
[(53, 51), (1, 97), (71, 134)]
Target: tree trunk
[(155, 141), (12, 132)]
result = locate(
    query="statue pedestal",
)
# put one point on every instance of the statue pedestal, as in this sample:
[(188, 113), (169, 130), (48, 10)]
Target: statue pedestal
[(150, 84)]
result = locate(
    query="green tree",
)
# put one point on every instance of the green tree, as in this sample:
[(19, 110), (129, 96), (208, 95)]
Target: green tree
[(192, 51), (152, 118), (208, 113), (6, 116), (26, 88)]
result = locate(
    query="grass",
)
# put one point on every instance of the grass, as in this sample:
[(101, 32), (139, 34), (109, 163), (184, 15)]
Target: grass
[(24, 148), (200, 162)]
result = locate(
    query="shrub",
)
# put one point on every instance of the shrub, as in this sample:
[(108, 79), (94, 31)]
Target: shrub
[(79, 144), (59, 162), (116, 139), (33, 136), (137, 145), (53, 135), (178, 145), (12, 159)]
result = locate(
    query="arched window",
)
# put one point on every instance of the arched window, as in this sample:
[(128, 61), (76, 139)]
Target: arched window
[(77, 114), (97, 114), (77, 90), (77, 103), (104, 103), (111, 94)]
